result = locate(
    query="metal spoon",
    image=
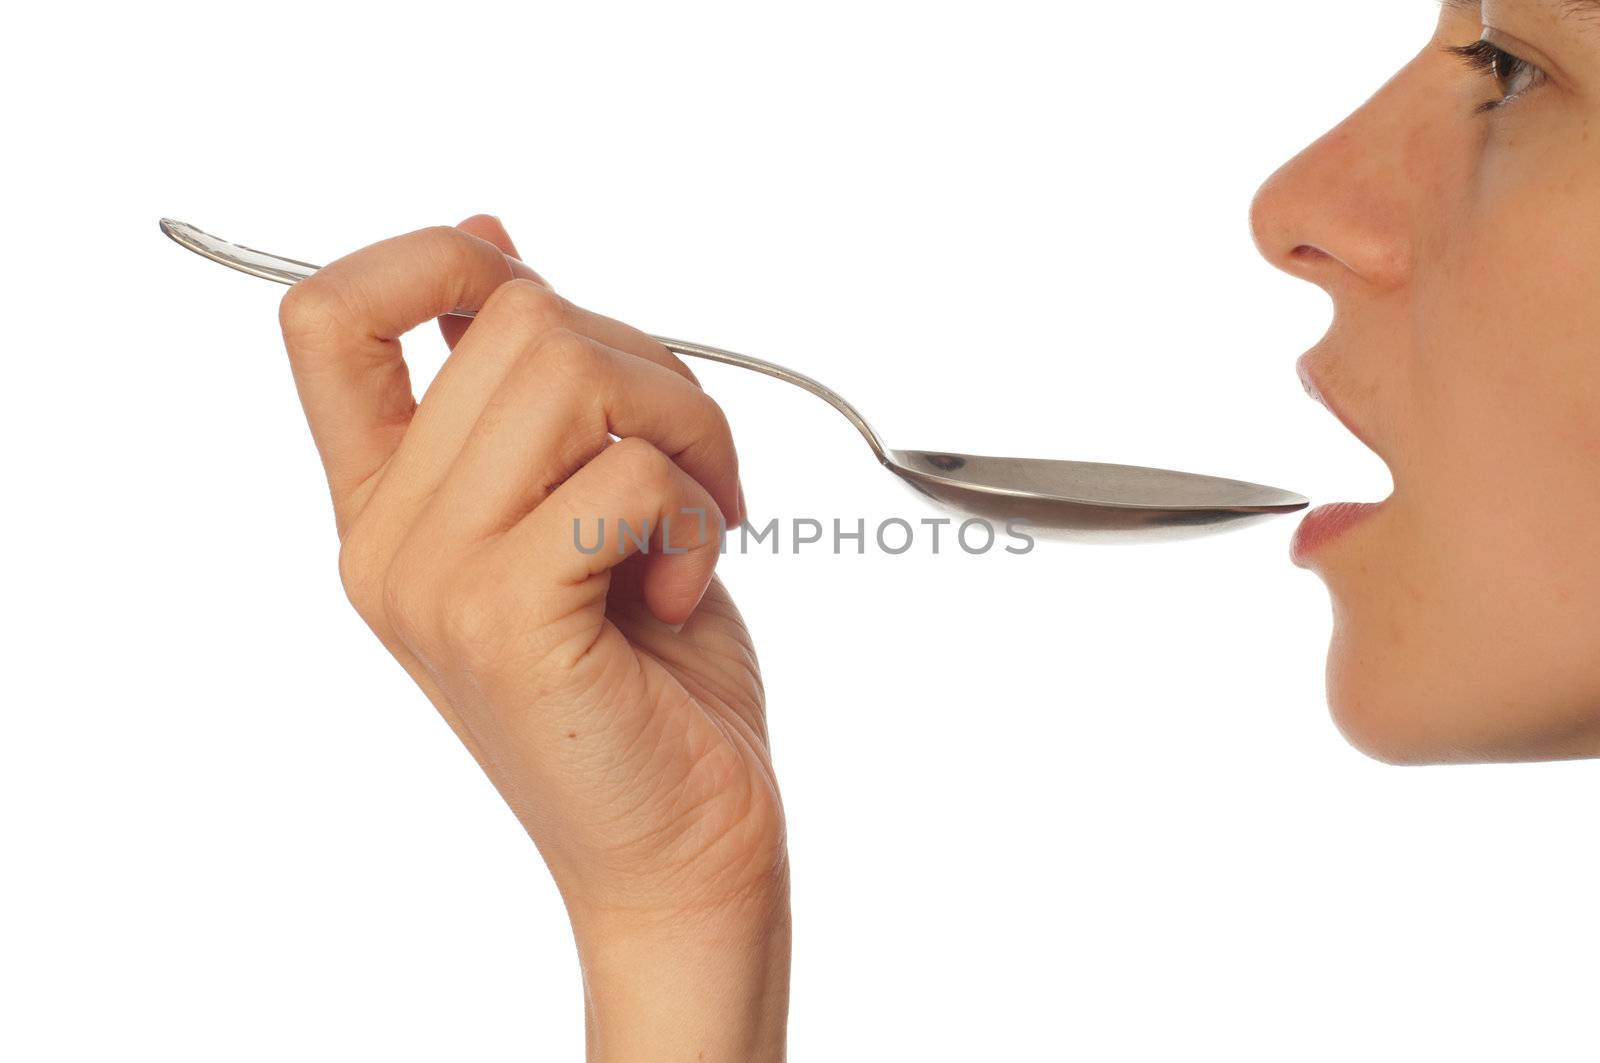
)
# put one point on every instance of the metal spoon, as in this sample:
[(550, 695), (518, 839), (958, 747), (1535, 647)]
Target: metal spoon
[(1058, 499)]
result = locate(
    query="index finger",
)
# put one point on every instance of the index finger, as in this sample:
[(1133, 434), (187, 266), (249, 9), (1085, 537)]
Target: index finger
[(342, 327)]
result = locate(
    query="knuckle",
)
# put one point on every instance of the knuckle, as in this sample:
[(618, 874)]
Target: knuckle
[(311, 311), (567, 355), (525, 306), (446, 236), (407, 602), (562, 370), (454, 252), (360, 573), (470, 605), (452, 613), (641, 467)]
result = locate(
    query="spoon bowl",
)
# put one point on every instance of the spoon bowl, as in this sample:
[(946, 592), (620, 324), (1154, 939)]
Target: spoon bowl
[(1089, 501), (1049, 498)]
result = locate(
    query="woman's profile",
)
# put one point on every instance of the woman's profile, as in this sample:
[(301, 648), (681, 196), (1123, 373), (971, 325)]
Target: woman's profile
[(615, 700), (1453, 221)]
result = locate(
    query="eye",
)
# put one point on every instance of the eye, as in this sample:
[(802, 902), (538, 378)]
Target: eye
[(1516, 76)]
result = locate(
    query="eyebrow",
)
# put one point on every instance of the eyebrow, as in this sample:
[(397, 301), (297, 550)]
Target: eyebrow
[(1573, 9)]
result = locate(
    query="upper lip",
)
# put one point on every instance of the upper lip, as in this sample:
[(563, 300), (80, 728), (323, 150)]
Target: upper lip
[(1314, 388)]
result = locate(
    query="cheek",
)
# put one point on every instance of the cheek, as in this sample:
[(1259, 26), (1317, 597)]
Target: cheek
[(1505, 384), (1490, 621)]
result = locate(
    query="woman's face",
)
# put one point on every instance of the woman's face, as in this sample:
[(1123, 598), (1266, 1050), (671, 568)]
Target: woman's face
[(1462, 251)]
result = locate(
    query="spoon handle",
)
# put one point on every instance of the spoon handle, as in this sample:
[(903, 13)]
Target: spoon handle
[(790, 376), (268, 266)]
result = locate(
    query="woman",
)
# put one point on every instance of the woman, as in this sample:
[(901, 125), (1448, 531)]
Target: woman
[(616, 701), (1454, 220)]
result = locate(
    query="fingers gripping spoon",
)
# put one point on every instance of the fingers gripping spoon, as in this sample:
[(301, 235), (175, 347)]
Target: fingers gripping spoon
[(1057, 499)]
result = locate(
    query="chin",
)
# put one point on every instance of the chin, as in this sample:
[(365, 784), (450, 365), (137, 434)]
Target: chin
[(1374, 716), (1406, 702)]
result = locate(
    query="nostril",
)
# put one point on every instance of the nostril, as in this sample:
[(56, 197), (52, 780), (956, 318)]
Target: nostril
[(1310, 263), (1273, 225)]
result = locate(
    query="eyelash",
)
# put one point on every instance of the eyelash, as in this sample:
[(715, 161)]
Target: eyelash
[(1499, 64)]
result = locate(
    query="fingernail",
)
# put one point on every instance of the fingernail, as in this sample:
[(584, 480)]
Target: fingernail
[(521, 269), (744, 514)]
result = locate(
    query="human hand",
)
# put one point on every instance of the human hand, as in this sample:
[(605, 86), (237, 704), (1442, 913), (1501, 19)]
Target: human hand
[(613, 697)]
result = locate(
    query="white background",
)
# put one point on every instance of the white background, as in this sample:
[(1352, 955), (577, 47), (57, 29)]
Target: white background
[(1083, 804)]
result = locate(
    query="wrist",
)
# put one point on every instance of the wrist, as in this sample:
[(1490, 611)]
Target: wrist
[(706, 985)]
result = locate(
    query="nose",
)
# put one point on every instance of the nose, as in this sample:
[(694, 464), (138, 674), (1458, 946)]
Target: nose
[(1339, 212)]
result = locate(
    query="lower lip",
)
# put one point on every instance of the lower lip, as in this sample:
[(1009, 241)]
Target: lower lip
[(1325, 524)]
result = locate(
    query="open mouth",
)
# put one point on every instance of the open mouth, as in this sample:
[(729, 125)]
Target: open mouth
[(1328, 523)]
